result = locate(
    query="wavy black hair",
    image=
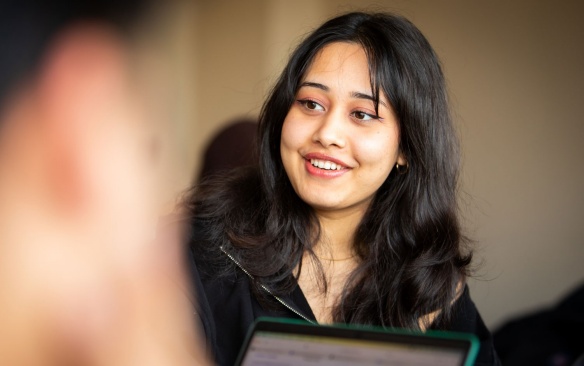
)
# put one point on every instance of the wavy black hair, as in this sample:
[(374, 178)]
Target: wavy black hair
[(412, 253)]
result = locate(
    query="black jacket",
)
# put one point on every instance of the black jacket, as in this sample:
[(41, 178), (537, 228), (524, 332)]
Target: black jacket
[(227, 308)]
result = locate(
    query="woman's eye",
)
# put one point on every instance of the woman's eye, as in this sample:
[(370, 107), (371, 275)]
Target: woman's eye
[(362, 116), (311, 105)]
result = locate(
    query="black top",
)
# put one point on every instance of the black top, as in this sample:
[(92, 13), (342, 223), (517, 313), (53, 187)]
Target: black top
[(227, 308)]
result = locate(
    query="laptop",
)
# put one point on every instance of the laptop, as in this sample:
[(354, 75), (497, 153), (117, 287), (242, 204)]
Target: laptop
[(283, 342)]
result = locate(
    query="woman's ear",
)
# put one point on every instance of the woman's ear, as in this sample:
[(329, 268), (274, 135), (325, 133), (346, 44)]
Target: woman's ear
[(401, 158)]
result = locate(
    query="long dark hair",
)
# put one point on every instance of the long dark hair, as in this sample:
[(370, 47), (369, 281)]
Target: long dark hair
[(409, 242)]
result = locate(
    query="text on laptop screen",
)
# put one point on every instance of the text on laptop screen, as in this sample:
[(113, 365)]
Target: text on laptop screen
[(272, 348)]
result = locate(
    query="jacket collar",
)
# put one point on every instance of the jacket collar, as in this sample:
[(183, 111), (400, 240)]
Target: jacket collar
[(285, 302)]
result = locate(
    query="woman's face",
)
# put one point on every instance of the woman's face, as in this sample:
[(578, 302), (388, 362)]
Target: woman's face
[(336, 150)]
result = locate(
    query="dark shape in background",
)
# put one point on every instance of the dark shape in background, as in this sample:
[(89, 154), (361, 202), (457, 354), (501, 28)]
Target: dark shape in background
[(233, 147), (551, 337)]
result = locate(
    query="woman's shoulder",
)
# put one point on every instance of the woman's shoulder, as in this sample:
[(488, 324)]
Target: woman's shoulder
[(466, 318), (205, 240)]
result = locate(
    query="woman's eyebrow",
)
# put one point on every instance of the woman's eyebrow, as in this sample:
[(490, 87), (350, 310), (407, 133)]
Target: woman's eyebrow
[(367, 97), (314, 85)]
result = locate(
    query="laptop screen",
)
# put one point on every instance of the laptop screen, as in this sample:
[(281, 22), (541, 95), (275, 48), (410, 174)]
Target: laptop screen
[(283, 343)]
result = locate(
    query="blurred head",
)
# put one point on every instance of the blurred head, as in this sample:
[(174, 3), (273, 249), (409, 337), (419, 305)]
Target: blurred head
[(79, 269), (74, 134), (403, 73)]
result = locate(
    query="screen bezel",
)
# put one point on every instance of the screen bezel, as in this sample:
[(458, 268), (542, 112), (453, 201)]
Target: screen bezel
[(467, 343)]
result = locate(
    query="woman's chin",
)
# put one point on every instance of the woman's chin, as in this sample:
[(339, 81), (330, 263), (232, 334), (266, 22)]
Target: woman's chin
[(334, 206), (321, 203)]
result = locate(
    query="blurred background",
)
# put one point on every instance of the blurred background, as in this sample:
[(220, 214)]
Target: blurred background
[(514, 72)]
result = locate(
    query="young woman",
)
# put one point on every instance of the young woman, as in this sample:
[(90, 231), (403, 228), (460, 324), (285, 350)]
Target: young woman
[(350, 215)]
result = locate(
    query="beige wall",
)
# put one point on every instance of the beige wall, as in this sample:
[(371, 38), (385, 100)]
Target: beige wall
[(515, 76)]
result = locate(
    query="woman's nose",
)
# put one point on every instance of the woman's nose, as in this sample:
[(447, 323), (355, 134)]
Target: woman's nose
[(331, 131)]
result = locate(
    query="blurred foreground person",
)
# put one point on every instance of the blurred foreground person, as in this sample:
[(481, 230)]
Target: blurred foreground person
[(84, 282)]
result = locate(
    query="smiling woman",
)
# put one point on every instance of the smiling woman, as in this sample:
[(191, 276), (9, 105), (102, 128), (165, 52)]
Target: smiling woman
[(334, 124), (350, 215)]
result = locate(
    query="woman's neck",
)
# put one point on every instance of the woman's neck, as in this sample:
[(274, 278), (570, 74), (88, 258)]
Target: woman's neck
[(337, 234), (334, 250)]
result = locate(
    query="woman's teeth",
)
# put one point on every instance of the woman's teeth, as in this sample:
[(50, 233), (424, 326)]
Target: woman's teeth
[(324, 164)]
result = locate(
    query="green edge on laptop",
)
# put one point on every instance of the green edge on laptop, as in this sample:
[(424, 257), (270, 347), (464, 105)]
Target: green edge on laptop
[(296, 342)]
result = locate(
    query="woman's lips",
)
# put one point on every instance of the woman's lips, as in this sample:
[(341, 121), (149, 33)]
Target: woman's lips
[(325, 158), (324, 166)]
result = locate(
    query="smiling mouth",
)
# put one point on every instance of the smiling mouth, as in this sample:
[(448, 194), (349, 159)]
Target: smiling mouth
[(325, 164)]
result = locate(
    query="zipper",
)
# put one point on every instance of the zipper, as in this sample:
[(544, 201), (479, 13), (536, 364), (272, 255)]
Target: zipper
[(289, 307)]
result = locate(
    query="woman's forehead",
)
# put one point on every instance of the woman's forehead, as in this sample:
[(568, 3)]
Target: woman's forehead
[(341, 65), (331, 56)]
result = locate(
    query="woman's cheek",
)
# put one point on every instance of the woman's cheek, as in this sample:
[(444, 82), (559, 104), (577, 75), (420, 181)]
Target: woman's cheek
[(294, 132), (379, 148)]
